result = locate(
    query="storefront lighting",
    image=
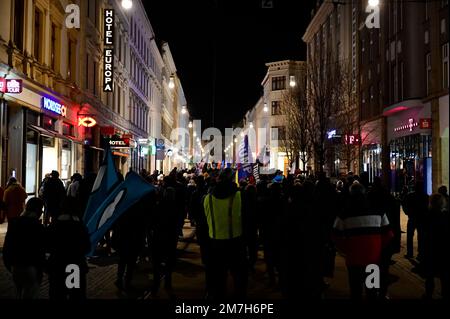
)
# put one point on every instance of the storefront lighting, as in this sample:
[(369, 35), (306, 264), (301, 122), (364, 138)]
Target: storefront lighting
[(86, 121)]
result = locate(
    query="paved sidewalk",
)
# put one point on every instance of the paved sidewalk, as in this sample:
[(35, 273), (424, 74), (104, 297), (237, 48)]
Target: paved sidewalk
[(189, 283)]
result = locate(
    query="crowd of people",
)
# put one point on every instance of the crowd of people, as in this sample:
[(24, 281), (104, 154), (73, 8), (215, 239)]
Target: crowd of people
[(298, 222)]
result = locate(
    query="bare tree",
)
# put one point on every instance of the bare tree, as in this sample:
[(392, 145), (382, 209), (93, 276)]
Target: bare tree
[(294, 106), (346, 116), (322, 94)]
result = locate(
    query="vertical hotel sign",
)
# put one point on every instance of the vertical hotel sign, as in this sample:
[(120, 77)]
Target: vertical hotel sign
[(108, 51)]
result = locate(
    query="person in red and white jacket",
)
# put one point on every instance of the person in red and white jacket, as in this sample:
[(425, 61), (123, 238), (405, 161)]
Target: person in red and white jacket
[(361, 234)]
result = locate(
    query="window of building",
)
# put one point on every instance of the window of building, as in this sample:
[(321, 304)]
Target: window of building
[(18, 23), (371, 92), (67, 129), (72, 59), (278, 83), (428, 64), (443, 26), (427, 37), (94, 78), (445, 66), (53, 47), (278, 133), (37, 47), (395, 74), (444, 3), (48, 123), (276, 107), (401, 80)]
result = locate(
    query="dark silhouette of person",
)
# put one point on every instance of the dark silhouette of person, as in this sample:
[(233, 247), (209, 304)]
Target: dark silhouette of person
[(54, 194), (436, 261), (249, 223), (128, 240), (67, 244), (24, 250), (165, 236), (416, 207), (381, 201)]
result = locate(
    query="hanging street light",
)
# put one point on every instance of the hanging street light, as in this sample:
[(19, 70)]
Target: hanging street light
[(127, 4)]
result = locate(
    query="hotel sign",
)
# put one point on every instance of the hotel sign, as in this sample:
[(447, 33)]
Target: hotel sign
[(10, 86), (53, 106), (119, 142), (108, 52)]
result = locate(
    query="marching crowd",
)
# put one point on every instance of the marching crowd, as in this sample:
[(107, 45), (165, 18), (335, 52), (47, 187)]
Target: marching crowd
[(299, 222)]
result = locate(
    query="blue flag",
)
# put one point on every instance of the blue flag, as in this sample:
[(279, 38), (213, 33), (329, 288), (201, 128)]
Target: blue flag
[(107, 179), (245, 167), (121, 199)]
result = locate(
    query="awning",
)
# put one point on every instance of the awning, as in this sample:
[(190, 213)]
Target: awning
[(42, 131), (95, 148)]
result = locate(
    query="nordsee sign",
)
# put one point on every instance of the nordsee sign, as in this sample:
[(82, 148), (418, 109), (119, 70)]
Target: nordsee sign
[(53, 106), (108, 53)]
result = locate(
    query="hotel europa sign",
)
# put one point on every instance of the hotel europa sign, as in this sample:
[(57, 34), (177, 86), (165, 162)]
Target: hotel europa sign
[(108, 51)]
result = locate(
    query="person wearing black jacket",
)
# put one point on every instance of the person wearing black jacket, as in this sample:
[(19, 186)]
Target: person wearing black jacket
[(67, 243), (416, 207), (54, 194), (24, 250), (436, 237)]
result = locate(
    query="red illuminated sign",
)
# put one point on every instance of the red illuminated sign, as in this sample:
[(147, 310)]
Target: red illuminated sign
[(86, 121), (10, 86), (425, 124), (410, 126), (351, 139)]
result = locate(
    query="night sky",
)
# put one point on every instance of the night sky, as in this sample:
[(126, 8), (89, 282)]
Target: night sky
[(239, 37)]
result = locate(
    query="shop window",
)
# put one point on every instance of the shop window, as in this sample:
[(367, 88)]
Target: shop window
[(48, 123), (48, 141), (67, 129)]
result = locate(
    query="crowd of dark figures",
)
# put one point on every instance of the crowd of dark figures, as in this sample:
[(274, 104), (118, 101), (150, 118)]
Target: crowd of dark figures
[(299, 222)]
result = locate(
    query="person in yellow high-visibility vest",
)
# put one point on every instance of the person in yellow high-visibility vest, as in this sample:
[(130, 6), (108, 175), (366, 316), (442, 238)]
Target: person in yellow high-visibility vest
[(222, 208)]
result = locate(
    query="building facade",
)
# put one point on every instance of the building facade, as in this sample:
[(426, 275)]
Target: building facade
[(400, 74), (266, 121), (62, 119)]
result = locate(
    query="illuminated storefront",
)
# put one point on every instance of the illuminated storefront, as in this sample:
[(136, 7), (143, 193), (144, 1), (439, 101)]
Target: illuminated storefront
[(409, 140)]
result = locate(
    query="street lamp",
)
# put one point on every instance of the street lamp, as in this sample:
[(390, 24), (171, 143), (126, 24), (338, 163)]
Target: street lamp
[(265, 109), (171, 82), (251, 124), (190, 124), (374, 3), (183, 110), (292, 81), (127, 4)]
